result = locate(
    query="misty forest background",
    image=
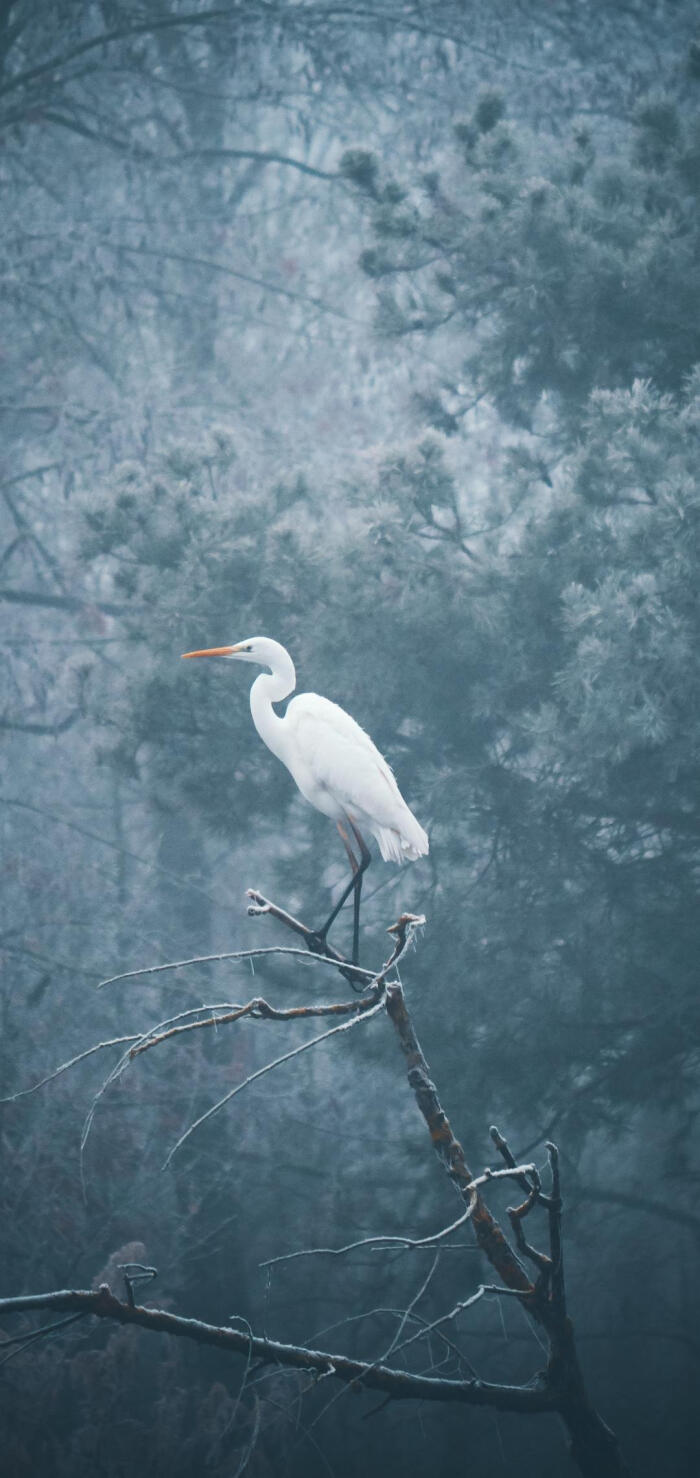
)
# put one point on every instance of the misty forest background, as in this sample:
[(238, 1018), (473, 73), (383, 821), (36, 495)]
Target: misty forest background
[(374, 329)]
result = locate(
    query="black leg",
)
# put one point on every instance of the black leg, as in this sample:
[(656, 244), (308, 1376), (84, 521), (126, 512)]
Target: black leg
[(356, 919), (354, 886), (347, 891), (365, 859)]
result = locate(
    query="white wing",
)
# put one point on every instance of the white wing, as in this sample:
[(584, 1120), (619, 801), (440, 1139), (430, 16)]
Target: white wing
[(340, 770)]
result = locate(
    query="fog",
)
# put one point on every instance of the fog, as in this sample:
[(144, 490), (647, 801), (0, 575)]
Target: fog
[(374, 330)]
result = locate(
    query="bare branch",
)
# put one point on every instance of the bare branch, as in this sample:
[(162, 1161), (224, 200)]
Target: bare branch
[(258, 1009), (504, 1150), (223, 270), (22, 1342), (459, 1308), (364, 1015), (399, 1384), (407, 1242), (398, 1314), (64, 602), (126, 1057), (516, 1216), (403, 931), (72, 1062), (260, 156), (396, 1337), (60, 727), (560, 1388), (237, 954)]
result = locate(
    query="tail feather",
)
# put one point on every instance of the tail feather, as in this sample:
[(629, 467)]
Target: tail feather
[(406, 845)]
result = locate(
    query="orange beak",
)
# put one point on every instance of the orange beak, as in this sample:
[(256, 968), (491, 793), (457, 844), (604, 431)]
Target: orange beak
[(212, 652)]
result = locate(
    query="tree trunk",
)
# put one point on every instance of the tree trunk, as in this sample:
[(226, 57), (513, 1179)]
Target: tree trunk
[(593, 1447)]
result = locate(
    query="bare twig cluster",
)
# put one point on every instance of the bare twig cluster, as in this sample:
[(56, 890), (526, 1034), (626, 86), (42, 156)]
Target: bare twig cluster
[(524, 1271)]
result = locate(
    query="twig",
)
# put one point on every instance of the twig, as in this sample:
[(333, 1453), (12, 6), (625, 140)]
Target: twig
[(249, 1360), (268, 1068), (250, 1449), (395, 1338), (23, 1341), (126, 1057), (459, 1308), (398, 1314), (406, 1242), (517, 1215), (72, 1062), (560, 1388), (299, 1426), (135, 1272), (403, 930), (237, 954), (372, 999), (504, 1150)]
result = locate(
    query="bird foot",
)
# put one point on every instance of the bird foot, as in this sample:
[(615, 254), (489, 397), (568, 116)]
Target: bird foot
[(314, 939), (316, 942)]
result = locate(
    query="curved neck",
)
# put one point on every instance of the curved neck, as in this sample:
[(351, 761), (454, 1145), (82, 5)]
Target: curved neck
[(269, 688)]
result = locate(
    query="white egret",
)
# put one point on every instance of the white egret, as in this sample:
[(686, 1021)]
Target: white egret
[(335, 764)]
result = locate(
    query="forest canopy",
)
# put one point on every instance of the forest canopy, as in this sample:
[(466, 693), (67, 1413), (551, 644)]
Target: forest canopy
[(375, 330)]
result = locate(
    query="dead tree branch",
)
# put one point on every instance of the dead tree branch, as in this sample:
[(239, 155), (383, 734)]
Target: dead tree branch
[(559, 1388), (398, 1384), (408, 1242), (487, 1231), (594, 1448)]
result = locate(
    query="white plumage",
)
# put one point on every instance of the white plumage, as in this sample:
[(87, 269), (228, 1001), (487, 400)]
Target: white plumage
[(333, 761), (341, 772)]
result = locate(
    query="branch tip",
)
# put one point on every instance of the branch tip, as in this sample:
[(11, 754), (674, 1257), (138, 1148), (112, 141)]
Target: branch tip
[(406, 925), (257, 905)]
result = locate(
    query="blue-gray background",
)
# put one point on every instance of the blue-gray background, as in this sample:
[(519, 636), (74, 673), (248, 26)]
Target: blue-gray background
[(374, 329)]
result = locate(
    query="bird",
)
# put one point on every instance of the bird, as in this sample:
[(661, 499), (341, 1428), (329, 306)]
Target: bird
[(335, 764)]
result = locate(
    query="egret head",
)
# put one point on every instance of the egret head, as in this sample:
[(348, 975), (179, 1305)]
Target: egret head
[(259, 649)]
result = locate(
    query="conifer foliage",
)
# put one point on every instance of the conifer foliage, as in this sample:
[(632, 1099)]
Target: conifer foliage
[(374, 329)]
